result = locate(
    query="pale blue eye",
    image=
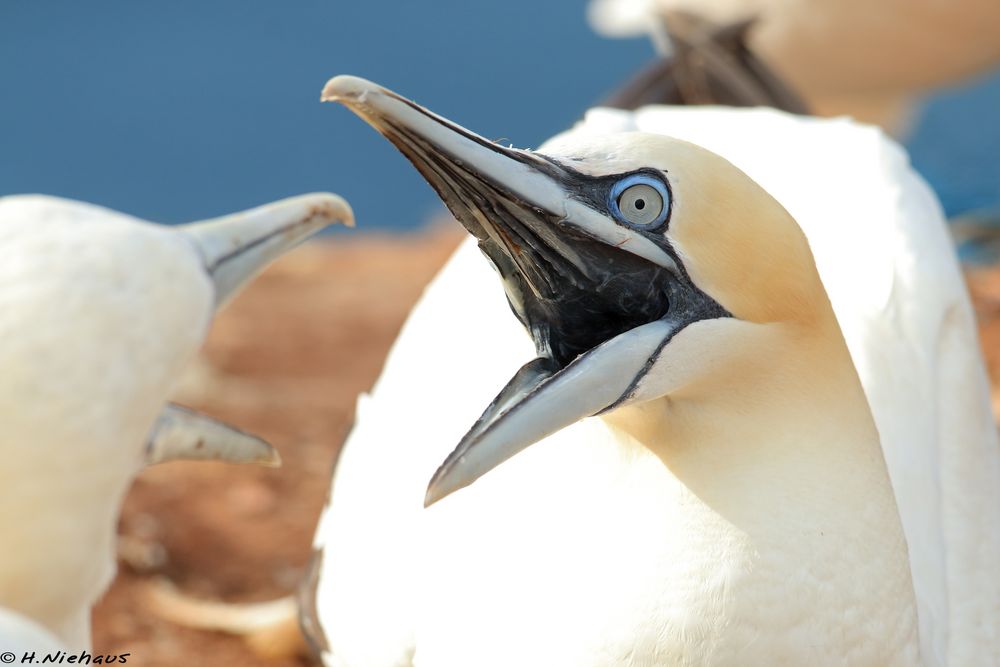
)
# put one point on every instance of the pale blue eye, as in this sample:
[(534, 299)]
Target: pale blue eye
[(640, 201)]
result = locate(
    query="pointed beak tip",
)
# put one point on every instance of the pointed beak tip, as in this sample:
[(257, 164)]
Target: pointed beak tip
[(271, 460), (436, 489), (432, 496), (444, 483), (347, 89), (332, 208)]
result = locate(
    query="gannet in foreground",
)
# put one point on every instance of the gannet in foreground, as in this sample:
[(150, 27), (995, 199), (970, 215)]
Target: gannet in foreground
[(866, 58), (99, 312), (730, 504)]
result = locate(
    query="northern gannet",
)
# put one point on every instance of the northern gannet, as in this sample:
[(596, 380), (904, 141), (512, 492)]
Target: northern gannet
[(706, 64), (99, 313), (866, 59), (731, 503)]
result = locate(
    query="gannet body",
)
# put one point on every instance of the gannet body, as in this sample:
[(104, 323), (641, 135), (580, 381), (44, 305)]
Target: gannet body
[(99, 312), (903, 307), (20, 636), (757, 529), (866, 59)]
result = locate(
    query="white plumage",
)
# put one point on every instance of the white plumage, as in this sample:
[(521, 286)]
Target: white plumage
[(550, 558), (21, 636), (882, 249), (99, 312)]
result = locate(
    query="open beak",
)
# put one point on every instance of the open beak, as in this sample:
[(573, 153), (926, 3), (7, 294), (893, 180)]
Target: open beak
[(236, 247), (594, 295)]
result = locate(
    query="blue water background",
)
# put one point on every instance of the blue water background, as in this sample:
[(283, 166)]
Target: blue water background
[(180, 110)]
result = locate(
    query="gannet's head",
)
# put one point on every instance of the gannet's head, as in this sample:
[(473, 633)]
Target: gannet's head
[(633, 260), (100, 310)]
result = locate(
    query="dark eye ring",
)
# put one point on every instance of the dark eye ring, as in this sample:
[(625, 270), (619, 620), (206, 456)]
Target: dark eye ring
[(640, 201)]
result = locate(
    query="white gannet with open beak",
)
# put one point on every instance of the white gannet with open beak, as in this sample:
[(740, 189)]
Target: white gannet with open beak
[(99, 313), (689, 471)]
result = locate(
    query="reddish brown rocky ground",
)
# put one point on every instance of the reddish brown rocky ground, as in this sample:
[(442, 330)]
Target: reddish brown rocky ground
[(285, 360)]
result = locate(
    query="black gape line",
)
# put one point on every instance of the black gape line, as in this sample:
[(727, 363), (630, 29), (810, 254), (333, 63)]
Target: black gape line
[(695, 306)]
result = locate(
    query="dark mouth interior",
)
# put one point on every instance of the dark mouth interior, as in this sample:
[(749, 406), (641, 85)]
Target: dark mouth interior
[(570, 291), (567, 316)]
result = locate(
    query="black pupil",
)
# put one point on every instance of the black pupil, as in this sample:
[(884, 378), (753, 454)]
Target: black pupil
[(640, 204)]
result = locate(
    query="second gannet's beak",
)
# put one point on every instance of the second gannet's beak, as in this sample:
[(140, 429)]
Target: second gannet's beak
[(233, 249), (236, 247), (600, 297), (182, 434)]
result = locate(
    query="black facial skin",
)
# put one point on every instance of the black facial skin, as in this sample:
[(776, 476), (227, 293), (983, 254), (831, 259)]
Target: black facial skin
[(570, 305), (571, 291)]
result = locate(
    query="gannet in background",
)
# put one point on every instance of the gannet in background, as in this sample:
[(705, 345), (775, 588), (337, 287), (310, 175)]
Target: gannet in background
[(858, 57), (730, 503), (99, 313), (706, 64), (179, 434)]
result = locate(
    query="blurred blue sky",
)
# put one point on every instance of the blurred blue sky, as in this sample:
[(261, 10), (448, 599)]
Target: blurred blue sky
[(190, 108), (186, 109), (956, 146)]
